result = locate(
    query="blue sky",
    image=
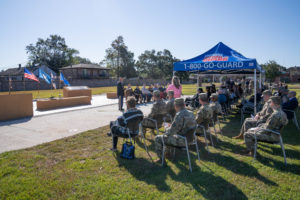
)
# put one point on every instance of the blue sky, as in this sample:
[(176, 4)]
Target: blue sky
[(261, 29)]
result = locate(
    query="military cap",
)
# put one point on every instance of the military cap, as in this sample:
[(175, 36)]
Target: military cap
[(171, 92), (203, 97), (276, 99), (214, 96), (267, 92), (156, 93), (179, 101)]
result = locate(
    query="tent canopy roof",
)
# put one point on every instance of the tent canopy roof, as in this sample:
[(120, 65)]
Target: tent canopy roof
[(220, 57)]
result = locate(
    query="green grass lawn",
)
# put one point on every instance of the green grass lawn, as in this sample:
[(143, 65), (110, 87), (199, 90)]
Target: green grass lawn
[(187, 89), (83, 167)]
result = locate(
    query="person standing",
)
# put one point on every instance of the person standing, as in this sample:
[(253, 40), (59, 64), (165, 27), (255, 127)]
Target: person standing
[(120, 93), (176, 87)]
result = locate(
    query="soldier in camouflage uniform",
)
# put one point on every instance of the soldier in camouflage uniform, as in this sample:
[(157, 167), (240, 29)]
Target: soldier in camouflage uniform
[(275, 122), (170, 105), (204, 114), (261, 117), (183, 124), (215, 106), (158, 109)]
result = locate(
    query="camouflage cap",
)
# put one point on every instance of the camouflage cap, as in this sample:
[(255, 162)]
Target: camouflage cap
[(179, 101), (203, 97), (171, 92), (214, 96), (156, 93), (276, 99), (267, 92)]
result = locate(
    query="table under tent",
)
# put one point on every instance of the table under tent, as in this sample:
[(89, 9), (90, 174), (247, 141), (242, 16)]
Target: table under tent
[(221, 59)]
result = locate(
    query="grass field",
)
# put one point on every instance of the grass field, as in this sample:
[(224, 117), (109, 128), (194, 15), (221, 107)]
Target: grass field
[(186, 90), (83, 167)]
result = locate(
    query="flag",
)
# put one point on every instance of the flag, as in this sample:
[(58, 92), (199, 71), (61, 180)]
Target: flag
[(10, 83), (45, 76), (52, 79), (30, 75), (62, 78)]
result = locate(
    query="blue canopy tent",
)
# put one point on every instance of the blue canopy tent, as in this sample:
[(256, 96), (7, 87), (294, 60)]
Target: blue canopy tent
[(221, 59)]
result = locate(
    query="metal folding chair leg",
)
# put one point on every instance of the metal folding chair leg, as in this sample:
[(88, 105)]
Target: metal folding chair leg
[(283, 151), (211, 139), (188, 154), (196, 143), (218, 122), (296, 121), (215, 129), (205, 140), (255, 147)]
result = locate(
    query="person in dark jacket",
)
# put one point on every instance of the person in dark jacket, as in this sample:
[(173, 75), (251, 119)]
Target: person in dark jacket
[(120, 93), (119, 127), (291, 104)]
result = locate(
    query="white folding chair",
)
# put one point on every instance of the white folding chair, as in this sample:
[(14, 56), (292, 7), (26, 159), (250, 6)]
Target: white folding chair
[(280, 142), (194, 142)]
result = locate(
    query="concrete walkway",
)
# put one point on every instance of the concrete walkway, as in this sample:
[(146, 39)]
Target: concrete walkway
[(24, 133), (97, 101)]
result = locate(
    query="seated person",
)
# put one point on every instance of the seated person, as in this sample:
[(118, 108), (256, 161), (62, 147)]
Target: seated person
[(208, 92), (204, 114), (284, 95), (118, 127), (213, 88), (275, 122), (158, 110), (137, 94), (222, 97), (128, 91), (170, 105), (215, 106), (260, 117), (194, 101), (250, 102), (146, 94), (291, 104), (182, 124), (150, 88)]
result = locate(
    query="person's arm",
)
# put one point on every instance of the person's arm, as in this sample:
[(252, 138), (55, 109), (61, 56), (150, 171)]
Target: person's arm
[(199, 117), (121, 121), (176, 126)]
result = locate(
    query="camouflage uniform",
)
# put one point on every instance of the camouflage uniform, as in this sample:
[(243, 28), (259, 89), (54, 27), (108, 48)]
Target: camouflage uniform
[(216, 108), (264, 114), (275, 122), (158, 109), (183, 124), (170, 108), (204, 116)]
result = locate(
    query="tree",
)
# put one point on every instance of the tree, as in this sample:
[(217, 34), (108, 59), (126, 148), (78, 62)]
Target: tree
[(120, 59), (157, 65), (52, 52), (272, 69), (80, 60)]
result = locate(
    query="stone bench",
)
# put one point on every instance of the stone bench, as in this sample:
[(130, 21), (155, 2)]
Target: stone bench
[(48, 104), (15, 106), (111, 95), (75, 91)]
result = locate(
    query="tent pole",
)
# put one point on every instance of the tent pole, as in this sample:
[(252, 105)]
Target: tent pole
[(255, 92), (260, 80)]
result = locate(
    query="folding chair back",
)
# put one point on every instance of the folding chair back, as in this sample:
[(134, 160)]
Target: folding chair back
[(133, 124)]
